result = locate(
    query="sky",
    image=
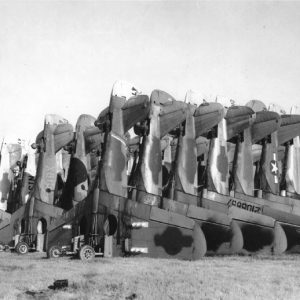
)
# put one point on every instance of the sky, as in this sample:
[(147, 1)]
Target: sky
[(64, 56)]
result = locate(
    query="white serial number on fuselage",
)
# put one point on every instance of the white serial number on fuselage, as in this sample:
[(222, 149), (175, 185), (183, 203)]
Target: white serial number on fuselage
[(244, 205)]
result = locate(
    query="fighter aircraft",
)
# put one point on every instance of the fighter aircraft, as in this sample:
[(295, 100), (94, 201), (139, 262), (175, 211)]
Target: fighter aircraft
[(83, 162), (260, 233), (27, 225), (222, 235), (244, 190), (115, 224)]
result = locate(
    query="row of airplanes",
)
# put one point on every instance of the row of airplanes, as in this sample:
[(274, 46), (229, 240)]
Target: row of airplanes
[(157, 177)]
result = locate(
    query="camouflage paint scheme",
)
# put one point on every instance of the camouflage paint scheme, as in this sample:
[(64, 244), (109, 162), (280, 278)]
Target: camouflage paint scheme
[(260, 233), (223, 235), (57, 133), (271, 204), (107, 209)]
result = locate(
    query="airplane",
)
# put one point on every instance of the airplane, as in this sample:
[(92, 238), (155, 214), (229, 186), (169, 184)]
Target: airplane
[(222, 235), (83, 162), (269, 201), (246, 194), (27, 225), (260, 232), (115, 224)]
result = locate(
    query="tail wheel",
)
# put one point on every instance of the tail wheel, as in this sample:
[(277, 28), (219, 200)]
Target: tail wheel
[(2, 247), (54, 252), (87, 253), (22, 248)]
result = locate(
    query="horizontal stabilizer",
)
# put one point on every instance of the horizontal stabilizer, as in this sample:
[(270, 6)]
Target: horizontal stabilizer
[(172, 114), (290, 128), (238, 118), (63, 135), (135, 110), (172, 111), (207, 116), (266, 122)]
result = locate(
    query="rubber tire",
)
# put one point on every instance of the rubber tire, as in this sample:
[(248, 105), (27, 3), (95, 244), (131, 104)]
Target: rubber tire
[(54, 252), (2, 247), (87, 253), (22, 248)]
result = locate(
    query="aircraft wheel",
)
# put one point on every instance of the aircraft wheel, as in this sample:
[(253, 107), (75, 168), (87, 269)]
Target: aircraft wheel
[(2, 247), (54, 252), (86, 253), (22, 248)]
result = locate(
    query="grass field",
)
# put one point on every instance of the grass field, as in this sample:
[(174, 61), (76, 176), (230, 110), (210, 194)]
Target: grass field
[(236, 277)]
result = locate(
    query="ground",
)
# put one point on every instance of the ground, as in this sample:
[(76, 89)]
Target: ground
[(227, 277)]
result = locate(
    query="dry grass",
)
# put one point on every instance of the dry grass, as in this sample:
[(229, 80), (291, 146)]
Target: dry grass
[(236, 277)]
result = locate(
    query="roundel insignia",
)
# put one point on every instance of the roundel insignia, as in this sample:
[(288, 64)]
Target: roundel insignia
[(274, 167)]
